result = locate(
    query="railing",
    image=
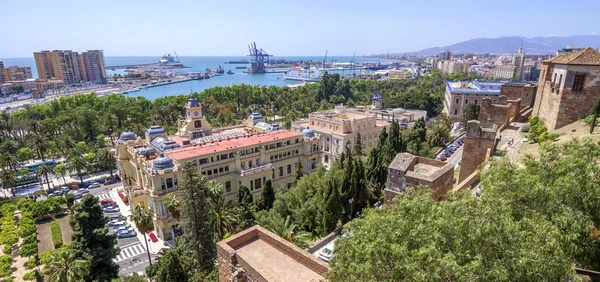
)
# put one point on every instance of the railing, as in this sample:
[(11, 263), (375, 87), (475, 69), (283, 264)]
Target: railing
[(261, 168)]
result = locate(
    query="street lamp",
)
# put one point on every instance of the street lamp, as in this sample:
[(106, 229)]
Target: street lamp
[(351, 201)]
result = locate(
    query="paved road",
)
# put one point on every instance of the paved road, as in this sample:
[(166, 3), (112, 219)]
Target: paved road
[(456, 157), (133, 256)]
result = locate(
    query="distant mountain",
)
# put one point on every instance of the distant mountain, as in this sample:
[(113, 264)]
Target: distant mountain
[(510, 44)]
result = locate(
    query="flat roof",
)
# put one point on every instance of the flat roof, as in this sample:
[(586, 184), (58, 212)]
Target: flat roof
[(224, 145)]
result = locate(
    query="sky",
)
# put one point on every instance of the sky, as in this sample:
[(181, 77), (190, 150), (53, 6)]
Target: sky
[(281, 27)]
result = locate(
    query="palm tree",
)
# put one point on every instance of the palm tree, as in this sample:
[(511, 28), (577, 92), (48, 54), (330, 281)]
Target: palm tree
[(223, 217), (106, 159), (77, 162), (8, 179), (40, 144), (143, 221), (285, 229), (44, 170), (172, 203), (66, 267), (9, 160)]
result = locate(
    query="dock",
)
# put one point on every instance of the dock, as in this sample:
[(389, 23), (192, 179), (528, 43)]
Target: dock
[(270, 71)]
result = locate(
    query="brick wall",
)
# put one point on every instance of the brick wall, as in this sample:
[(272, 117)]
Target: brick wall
[(494, 114), (525, 92), (477, 141)]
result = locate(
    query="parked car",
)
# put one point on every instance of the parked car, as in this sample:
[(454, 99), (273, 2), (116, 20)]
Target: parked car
[(83, 191), (126, 234), (107, 201), (111, 209), (54, 194), (74, 187), (124, 228), (117, 223), (117, 217), (77, 196), (63, 189), (326, 254), (94, 185), (110, 181)]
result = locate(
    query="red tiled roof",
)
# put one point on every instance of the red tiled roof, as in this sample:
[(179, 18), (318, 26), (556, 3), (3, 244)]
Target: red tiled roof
[(586, 56), (224, 145)]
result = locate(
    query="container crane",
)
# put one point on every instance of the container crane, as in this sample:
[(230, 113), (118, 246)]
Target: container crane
[(177, 57), (324, 59)]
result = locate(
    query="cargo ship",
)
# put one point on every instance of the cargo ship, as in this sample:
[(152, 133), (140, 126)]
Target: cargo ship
[(238, 62)]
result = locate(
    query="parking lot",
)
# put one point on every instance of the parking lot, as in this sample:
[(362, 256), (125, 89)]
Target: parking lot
[(132, 256)]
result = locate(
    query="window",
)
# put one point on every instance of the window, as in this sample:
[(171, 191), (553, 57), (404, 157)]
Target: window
[(227, 186), (578, 82), (220, 170), (466, 101), (326, 159), (230, 155), (197, 123), (215, 171), (554, 79), (313, 164), (457, 101), (226, 169), (169, 183), (162, 185), (224, 157), (194, 163), (475, 101), (289, 169), (203, 161), (455, 111), (280, 171), (289, 185), (209, 173), (559, 82), (251, 185), (258, 183)]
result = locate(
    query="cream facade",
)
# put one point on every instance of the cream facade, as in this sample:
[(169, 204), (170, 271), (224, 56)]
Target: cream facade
[(151, 166), (17, 73)]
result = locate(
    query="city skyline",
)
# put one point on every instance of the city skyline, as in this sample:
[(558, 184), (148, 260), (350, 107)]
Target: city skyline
[(301, 28)]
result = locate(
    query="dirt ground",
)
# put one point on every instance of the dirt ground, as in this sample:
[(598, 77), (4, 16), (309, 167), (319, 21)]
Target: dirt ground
[(577, 129), (65, 228), (19, 264), (44, 237)]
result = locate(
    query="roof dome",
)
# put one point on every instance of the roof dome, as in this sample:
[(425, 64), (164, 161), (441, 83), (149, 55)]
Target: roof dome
[(377, 97), (192, 102), (308, 133), (162, 162), (127, 135), (255, 116), (155, 129)]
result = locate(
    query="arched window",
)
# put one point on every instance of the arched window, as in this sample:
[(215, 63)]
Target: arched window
[(326, 159), (197, 123)]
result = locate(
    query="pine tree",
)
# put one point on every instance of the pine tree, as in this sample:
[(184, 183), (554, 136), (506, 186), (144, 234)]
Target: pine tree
[(267, 196), (92, 242), (595, 113), (358, 145), (195, 211)]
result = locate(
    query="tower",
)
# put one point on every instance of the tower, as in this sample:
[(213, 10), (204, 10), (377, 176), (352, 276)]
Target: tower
[(377, 102), (195, 124), (518, 62)]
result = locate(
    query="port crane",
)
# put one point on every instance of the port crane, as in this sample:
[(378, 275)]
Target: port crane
[(324, 59), (177, 57), (258, 58)]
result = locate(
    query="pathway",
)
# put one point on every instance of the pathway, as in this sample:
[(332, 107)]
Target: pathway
[(44, 237), (65, 228)]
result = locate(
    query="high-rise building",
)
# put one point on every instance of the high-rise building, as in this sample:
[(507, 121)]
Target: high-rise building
[(518, 62), (17, 73), (59, 64), (1, 72), (445, 55), (91, 64)]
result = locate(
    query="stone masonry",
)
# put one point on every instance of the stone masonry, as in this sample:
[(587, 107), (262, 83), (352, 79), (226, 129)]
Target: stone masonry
[(500, 113), (568, 87), (477, 142), (407, 171), (525, 92)]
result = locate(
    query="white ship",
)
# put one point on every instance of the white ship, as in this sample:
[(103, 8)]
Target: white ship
[(298, 73)]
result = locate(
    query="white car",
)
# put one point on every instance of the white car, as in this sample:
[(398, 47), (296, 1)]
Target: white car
[(117, 223), (94, 185), (326, 254), (111, 209)]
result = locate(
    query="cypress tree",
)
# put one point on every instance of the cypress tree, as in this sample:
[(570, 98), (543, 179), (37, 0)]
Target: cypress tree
[(299, 171), (91, 240), (595, 113), (195, 211), (267, 196), (245, 200), (333, 207), (358, 145)]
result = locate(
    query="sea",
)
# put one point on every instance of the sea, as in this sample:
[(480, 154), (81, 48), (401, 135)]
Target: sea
[(200, 64)]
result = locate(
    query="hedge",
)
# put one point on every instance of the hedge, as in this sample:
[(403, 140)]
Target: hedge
[(56, 234), (29, 276)]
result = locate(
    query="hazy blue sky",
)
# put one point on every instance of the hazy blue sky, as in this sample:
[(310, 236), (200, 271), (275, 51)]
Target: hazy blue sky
[(282, 27)]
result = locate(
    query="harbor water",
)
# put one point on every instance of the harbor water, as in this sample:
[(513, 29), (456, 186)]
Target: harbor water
[(200, 64)]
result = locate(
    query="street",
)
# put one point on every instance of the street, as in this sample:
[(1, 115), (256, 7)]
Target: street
[(133, 256)]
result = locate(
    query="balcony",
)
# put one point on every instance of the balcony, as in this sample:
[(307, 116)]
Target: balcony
[(249, 171)]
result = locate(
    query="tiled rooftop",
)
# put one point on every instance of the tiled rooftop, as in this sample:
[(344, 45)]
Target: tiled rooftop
[(586, 56), (224, 145)]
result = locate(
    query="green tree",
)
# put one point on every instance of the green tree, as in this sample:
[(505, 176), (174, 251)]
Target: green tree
[(24, 154), (245, 200), (60, 170), (358, 145), (106, 159), (457, 241), (78, 163), (595, 113), (44, 170), (299, 171), (175, 263), (284, 228), (195, 213), (91, 240), (18, 88), (8, 179), (470, 112), (66, 266), (173, 204), (438, 134), (267, 196), (142, 219), (333, 207), (40, 143), (223, 216)]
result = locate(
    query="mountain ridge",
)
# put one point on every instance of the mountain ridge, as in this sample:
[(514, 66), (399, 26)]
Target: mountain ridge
[(510, 44)]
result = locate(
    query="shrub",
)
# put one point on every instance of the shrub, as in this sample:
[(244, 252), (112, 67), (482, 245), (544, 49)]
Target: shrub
[(125, 199), (46, 257), (28, 250), (7, 249), (5, 270), (56, 234), (8, 259), (31, 263), (29, 276), (8, 280), (525, 128), (30, 239)]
